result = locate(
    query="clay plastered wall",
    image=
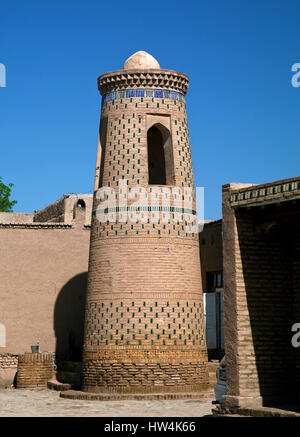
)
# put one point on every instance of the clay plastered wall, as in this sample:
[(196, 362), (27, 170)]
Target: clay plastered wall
[(70, 210), (64, 210), (16, 217), (42, 287)]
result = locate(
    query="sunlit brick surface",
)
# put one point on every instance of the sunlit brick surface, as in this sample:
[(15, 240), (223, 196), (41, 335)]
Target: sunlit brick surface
[(144, 327)]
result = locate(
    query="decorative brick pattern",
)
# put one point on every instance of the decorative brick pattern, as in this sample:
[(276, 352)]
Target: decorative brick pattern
[(144, 377), (120, 80), (141, 92), (144, 328), (144, 322)]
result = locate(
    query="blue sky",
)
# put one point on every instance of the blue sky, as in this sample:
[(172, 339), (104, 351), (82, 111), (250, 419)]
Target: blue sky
[(243, 113)]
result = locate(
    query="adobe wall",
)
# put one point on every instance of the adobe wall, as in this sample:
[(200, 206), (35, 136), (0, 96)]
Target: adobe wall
[(64, 210), (16, 217), (43, 278)]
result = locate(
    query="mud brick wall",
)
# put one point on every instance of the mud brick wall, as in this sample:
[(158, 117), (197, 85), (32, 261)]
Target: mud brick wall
[(261, 275), (51, 213), (16, 217), (34, 370), (48, 289), (64, 210)]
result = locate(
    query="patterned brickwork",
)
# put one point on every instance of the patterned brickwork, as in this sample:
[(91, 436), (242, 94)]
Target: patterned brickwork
[(125, 162), (185, 324), (126, 140), (144, 315), (121, 80), (34, 370), (144, 377)]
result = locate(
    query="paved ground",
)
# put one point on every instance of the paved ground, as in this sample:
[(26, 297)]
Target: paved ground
[(42, 403)]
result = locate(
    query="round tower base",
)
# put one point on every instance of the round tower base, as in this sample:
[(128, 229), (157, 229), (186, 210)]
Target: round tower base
[(89, 396), (136, 377)]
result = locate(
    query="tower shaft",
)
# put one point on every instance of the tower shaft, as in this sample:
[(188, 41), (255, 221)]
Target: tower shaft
[(144, 327)]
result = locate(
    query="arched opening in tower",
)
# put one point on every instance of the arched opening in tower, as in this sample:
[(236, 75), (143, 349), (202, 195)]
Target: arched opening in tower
[(156, 157)]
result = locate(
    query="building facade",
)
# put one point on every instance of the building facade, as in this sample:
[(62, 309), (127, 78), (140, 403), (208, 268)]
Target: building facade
[(144, 315), (261, 253)]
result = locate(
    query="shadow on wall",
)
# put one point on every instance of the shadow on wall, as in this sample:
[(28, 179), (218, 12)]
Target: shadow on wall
[(69, 319), (267, 256)]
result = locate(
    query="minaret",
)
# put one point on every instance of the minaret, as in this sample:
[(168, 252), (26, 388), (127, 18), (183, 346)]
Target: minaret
[(144, 330)]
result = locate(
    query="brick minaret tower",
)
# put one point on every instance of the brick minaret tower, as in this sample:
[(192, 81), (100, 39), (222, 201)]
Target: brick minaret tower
[(144, 330)]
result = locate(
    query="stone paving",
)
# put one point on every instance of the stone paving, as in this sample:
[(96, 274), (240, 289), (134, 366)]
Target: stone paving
[(47, 403)]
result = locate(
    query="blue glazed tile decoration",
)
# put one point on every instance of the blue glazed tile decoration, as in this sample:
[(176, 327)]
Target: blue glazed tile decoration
[(141, 92)]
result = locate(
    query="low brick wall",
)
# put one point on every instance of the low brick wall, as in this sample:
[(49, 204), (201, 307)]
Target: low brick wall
[(8, 361), (8, 369), (34, 370)]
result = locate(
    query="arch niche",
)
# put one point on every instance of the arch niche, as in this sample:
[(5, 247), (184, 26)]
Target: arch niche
[(160, 156)]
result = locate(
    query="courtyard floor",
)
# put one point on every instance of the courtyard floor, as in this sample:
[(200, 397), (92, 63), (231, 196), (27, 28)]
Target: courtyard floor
[(47, 403)]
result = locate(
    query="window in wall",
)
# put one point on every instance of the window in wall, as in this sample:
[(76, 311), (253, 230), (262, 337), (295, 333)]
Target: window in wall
[(81, 204), (160, 156)]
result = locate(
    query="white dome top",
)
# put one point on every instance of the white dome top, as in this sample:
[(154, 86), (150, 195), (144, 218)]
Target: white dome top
[(141, 61)]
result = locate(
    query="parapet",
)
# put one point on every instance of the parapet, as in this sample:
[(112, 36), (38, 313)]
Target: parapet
[(66, 211)]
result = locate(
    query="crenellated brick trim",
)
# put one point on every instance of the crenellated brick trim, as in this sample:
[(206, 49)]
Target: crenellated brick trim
[(121, 79)]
